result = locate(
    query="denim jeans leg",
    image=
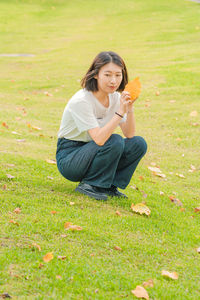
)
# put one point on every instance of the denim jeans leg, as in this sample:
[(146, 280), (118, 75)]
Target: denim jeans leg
[(74, 160), (104, 165), (135, 148)]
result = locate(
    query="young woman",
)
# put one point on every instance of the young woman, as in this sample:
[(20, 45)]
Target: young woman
[(88, 151)]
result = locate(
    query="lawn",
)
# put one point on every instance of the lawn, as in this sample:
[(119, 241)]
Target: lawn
[(159, 41)]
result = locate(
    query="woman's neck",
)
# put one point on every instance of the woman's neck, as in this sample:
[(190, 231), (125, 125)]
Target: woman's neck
[(102, 97)]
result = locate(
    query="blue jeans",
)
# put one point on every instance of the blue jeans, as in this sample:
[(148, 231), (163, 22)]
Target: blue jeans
[(111, 164)]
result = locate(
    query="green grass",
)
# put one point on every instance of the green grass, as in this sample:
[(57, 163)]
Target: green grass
[(159, 40)]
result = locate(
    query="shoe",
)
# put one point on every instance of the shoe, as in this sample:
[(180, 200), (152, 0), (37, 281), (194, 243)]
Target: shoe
[(91, 191), (114, 192)]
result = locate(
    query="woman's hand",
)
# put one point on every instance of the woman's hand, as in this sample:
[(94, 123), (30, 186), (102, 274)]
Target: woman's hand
[(125, 102)]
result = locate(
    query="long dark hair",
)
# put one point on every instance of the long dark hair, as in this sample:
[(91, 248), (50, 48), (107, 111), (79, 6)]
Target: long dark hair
[(103, 58)]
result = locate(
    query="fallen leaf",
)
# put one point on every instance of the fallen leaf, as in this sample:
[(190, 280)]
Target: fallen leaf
[(194, 124), (34, 245), (192, 169), (51, 161), (140, 292), (5, 295), (10, 176), (161, 193), (117, 248), (71, 203), (197, 209), (180, 175), (4, 187), (157, 172), (17, 210), (41, 266), (172, 275), (70, 226), (118, 213), (14, 222), (14, 132), (141, 178), (134, 187), (21, 140), (175, 200), (193, 113), (157, 93), (53, 212), (4, 124), (49, 177), (33, 127), (48, 257), (61, 257), (134, 88), (48, 94), (141, 209), (149, 283), (144, 194), (172, 101)]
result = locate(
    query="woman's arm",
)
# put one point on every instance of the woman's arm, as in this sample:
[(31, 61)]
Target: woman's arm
[(128, 127), (101, 135)]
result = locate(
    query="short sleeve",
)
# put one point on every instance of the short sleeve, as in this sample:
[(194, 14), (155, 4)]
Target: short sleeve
[(83, 116)]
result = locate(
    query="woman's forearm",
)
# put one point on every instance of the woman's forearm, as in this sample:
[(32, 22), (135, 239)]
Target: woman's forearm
[(101, 135)]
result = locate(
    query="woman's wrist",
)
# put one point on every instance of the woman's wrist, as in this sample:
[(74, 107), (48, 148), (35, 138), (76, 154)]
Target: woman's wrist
[(130, 111)]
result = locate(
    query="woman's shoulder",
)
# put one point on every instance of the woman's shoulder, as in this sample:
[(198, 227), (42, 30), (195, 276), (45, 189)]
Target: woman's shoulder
[(79, 97)]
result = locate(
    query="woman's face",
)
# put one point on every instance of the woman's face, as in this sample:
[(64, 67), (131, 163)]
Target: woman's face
[(109, 78)]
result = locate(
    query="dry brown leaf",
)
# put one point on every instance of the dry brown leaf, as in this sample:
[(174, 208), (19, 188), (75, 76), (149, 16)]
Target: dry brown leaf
[(193, 113), (53, 212), (175, 200), (10, 176), (34, 245), (149, 283), (61, 257), (197, 209), (4, 187), (118, 213), (172, 275), (48, 257), (51, 161), (157, 93), (14, 222), (17, 210), (48, 94), (141, 178), (33, 127), (134, 88), (117, 248), (140, 292), (141, 209), (180, 175), (4, 124), (70, 226), (157, 172)]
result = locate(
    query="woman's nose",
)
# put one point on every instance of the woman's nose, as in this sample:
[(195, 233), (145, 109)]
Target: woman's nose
[(113, 79)]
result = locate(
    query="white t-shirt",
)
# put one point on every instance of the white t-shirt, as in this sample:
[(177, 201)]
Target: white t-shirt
[(84, 112)]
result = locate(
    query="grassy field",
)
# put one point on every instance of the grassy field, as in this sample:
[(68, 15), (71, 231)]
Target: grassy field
[(159, 41)]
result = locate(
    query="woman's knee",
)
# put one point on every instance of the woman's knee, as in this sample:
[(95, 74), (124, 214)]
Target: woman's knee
[(116, 143), (140, 143)]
